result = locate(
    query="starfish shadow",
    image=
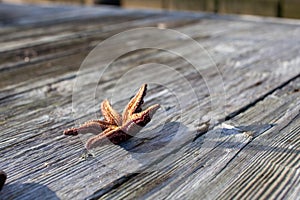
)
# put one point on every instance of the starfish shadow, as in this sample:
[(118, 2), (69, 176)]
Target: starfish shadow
[(152, 140)]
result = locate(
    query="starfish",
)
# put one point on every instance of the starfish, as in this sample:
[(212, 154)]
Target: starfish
[(115, 127)]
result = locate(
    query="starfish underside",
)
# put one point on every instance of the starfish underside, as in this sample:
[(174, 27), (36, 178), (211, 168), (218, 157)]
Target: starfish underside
[(117, 128)]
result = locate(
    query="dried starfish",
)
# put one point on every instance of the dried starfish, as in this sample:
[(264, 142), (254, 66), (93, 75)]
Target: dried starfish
[(115, 127)]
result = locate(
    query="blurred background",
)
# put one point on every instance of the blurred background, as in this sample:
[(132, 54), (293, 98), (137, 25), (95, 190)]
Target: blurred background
[(275, 8)]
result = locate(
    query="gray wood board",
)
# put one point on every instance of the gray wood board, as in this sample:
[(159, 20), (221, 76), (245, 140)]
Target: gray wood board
[(259, 63), (256, 156)]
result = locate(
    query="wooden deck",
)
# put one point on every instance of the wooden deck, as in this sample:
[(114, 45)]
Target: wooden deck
[(248, 150)]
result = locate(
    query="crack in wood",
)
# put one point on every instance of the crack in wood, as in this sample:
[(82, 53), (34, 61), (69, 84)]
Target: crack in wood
[(253, 103)]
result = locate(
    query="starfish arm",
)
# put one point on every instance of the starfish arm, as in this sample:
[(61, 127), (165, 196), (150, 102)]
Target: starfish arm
[(114, 136), (135, 103), (93, 126), (110, 115), (98, 140), (102, 124), (145, 116), (138, 120)]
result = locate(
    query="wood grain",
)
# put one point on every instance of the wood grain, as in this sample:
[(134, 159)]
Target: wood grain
[(249, 151)]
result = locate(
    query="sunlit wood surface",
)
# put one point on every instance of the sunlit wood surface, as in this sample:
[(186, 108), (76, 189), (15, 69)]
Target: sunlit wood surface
[(254, 156)]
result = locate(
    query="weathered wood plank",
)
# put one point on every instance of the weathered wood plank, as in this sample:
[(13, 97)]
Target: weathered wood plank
[(254, 148), (35, 111), (49, 124), (14, 15), (254, 53), (26, 49)]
